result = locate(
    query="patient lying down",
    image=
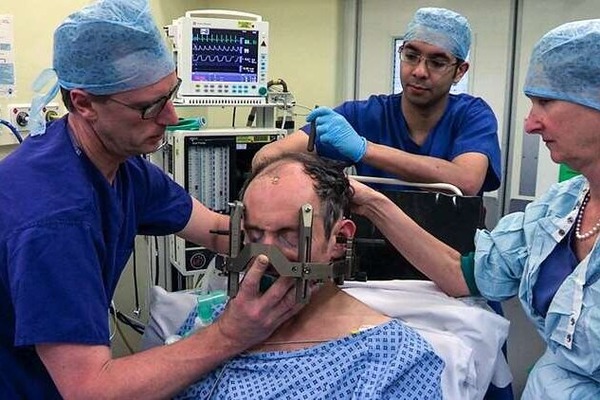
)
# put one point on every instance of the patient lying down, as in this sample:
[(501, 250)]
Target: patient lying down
[(336, 347)]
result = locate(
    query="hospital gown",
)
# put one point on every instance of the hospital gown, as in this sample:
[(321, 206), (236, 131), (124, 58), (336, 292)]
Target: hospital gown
[(389, 361), (507, 263)]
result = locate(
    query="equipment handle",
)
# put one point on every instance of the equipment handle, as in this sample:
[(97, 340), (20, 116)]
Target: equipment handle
[(226, 13), (391, 181)]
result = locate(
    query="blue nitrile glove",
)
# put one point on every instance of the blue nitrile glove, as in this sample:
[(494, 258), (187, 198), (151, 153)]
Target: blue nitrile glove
[(335, 133)]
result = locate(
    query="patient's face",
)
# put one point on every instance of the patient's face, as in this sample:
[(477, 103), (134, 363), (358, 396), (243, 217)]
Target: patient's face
[(272, 203)]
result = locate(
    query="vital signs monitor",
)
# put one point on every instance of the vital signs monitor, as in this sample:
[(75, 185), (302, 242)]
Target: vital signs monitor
[(221, 56)]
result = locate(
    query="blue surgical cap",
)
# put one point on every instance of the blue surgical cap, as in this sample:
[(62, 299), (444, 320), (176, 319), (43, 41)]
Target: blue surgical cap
[(443, 28), (107, 47), (565, 64), (111, 46)]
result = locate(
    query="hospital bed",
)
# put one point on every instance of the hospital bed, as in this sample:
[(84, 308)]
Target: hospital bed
[(464, 332), (443, 211), (439, 208)]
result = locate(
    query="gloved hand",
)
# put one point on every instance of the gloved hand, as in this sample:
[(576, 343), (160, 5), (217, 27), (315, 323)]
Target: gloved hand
[(335, 136)]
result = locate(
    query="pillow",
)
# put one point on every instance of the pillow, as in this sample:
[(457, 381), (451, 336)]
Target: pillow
[(168, 311)]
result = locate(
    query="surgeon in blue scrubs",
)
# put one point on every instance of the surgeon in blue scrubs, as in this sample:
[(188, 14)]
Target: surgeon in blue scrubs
[(424, 134), (73, 197), (547, 255)]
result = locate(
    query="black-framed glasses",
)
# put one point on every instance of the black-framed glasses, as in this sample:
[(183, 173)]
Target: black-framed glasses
[(438, 65), (153, 109)]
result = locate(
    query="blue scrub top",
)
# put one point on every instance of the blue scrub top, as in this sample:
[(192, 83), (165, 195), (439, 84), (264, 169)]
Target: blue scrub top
[(467, 125), (552, 273), (65, 237)]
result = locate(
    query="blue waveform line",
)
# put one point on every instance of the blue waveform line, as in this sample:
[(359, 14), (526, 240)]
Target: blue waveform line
[(231, 49), (218, 59)]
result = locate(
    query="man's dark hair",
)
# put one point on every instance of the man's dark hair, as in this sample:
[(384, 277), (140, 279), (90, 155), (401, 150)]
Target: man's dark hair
[(66, 98), (65, 94), (329, 181)]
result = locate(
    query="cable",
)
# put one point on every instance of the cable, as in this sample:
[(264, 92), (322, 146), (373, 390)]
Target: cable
[(279, 82), (305, 107), (251, 117), (283, 116), (114, 312), (137, 309), (156, 261), (151, 254), (132, 323), (283, 99), (13, 129), (111, 317), (233, 119), (125, 341)]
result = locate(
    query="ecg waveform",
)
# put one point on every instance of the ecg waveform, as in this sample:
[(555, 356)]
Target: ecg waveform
[(224, 51), (219, 38)]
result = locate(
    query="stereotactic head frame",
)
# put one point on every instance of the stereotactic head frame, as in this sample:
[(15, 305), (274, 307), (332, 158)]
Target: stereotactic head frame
[(240, 256)]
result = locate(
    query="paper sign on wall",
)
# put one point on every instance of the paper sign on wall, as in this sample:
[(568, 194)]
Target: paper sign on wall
[(7, 64)]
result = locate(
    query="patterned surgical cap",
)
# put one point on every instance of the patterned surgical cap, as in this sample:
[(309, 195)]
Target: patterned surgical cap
[(565, 64), (443, 28), (108, 47), (111, 46)]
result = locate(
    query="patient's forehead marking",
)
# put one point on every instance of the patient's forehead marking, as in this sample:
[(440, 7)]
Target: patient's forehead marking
[(274, 179)]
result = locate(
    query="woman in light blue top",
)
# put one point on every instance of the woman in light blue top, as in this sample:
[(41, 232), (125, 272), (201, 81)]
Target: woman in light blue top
[(547, 255)]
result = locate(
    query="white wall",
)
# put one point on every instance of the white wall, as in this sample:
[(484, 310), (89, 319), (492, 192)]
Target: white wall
[(33, 24), (538, 17)]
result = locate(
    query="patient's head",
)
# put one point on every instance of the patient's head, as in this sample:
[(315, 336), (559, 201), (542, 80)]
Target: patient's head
[(276, 190)]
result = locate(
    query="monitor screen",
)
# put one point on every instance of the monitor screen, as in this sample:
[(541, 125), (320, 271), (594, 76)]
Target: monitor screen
[(221, 61), (224, 55)]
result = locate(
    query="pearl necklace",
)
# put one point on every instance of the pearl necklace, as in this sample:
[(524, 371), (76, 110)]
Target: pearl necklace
[(595, 228)]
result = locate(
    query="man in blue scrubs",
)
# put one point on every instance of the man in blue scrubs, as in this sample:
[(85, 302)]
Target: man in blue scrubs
[(424, 134), (74, 196)]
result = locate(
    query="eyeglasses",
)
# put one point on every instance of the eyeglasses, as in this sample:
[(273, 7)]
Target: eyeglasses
[(153, 109), (438, 65)]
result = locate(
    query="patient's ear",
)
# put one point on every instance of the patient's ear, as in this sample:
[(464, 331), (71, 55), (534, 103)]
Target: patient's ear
[(344, 228)]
